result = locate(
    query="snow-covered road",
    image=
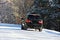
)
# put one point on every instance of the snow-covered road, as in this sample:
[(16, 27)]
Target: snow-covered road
[(8, 34), (18, 34)]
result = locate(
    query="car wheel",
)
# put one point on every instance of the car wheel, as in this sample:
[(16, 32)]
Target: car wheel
[(24, 27), (40, 29)]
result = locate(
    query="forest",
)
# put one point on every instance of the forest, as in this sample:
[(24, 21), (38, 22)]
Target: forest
[(11, 11)]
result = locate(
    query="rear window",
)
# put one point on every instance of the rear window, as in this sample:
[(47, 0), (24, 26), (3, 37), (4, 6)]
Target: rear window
[(33, 17)]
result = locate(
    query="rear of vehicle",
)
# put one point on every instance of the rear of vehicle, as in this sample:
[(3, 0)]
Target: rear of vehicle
[(34, 21)]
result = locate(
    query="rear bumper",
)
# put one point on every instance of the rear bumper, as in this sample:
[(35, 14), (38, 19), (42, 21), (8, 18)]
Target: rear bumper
[(33, 25)]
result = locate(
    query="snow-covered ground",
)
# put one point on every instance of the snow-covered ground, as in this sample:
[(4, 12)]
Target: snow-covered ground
[(15, 33)]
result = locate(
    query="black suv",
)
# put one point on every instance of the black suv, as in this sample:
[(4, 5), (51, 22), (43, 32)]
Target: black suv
[(33, 21)]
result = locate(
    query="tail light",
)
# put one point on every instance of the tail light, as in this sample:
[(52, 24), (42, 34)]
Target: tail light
[(27, 21), (40, 22)]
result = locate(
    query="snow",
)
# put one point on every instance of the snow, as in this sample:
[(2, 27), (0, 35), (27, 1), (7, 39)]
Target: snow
[(15, 33)]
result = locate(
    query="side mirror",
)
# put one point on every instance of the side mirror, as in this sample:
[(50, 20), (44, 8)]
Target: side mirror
[(22, 18)]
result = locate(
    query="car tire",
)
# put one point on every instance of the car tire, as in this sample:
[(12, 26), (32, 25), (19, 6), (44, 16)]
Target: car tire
[(40, 29), (24, 27)]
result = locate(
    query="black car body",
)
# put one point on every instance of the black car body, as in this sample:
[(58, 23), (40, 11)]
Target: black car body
[(33, 21)]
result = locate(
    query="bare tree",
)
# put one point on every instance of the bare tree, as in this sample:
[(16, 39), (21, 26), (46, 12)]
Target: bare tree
[(23, 6)]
